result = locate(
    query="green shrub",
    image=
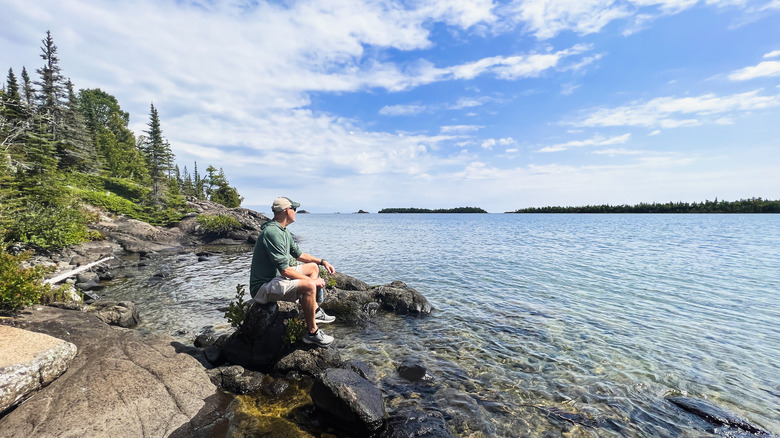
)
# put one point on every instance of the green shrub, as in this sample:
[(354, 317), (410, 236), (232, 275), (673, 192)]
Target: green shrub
[(218, 224), (20, 287), (238, 308), (119, 205), (51, 226)]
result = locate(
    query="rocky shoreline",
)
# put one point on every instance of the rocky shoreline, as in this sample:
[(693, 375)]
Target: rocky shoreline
[(123, 383)]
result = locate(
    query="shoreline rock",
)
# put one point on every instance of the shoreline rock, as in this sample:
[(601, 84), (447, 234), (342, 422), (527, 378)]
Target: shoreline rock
[(120, 383)]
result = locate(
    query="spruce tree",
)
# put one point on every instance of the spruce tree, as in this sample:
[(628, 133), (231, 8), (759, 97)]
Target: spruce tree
[(27, 90), (158, 152), (75, 149), (198, 183), (12, 101), (51, 86)]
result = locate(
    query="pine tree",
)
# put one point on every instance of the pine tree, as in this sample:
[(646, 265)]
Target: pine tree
[(12, 101), (198, 183), (75, 149), (27, 90), (187, 188), (158, 152), (51, 87)]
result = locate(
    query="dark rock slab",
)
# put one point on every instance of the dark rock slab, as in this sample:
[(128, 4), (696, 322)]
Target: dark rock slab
[(346, 396), (259, 343)]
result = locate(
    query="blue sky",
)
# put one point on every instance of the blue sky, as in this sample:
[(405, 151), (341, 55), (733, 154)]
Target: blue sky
[(347, 105)]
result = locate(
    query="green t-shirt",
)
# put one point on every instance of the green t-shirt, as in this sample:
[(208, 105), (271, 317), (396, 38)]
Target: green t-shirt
[(274, 247)]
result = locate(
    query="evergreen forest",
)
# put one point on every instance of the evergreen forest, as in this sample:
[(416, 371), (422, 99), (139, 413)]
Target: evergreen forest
[(426, 210), (61, 150), (752, 205)]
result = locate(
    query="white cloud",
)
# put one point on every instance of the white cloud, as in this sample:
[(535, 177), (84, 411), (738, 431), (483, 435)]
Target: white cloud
[(596, 140), (772, 54), (547, 18), (401, 110), (467, 103), (673, 112), (763, 69), (459, 129), (490, 142)]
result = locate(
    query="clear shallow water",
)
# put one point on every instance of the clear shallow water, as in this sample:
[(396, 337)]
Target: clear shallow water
[(544, 324)]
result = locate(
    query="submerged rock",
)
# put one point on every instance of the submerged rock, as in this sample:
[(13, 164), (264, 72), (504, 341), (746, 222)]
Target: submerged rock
[(717, 416), (409, 423), (412, 370)]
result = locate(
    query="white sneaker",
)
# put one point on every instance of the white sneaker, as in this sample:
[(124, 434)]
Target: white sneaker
[(318, 338), (320, 317)]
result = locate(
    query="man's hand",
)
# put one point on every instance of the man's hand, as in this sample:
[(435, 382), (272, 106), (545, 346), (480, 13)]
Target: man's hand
[(331, 270)]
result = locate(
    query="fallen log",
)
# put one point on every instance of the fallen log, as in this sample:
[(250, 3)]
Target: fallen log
[(68, 274)]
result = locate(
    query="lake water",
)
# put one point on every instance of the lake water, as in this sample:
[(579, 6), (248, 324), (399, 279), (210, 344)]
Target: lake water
[(544, 324)]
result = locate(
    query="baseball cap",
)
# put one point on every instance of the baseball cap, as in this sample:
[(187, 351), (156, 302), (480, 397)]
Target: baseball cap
[(281, 204)]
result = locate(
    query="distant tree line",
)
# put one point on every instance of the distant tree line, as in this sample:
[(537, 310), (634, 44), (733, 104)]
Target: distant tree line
[(426, 210), (751, 205), (59, 149)]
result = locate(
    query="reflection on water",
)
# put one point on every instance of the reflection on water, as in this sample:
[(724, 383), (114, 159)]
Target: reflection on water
[(575, 324)]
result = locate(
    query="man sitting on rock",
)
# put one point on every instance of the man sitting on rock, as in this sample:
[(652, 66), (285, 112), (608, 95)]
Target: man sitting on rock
[(273, 279)]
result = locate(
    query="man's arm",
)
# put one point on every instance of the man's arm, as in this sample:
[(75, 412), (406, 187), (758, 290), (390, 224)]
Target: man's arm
[(308, 258)]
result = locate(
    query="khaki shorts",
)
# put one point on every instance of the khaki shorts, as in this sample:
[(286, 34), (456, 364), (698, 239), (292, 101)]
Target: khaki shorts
[(278, 289)]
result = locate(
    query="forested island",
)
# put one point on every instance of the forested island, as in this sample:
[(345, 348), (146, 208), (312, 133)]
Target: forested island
[(752, 205), (426, 210)]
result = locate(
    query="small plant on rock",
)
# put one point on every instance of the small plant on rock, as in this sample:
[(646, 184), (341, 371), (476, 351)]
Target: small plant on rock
[(294, 331), (238, 308), (330, 281)]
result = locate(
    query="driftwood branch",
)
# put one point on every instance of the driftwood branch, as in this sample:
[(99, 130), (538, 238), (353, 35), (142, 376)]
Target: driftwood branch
[(65, 275)]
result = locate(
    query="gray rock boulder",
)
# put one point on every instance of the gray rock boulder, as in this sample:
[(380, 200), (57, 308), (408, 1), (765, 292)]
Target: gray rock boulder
[(346, 396), (120, 383), (312, 361), (354, 302), (28, 362), (236, 379), (119, 313), (403, 300), (346, 282)]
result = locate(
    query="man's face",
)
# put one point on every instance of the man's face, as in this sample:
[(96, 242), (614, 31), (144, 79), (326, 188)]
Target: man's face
[(291, 214)]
